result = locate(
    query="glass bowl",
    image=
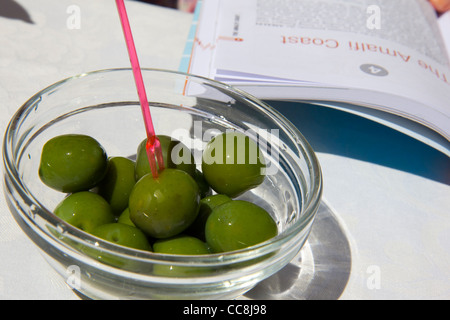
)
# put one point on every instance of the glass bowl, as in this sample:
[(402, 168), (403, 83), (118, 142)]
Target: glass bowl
[(104, 105)]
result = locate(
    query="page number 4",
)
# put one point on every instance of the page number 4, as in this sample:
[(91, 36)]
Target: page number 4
[(374, 70)]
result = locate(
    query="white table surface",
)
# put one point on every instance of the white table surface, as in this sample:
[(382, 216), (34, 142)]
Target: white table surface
[(390, 216)]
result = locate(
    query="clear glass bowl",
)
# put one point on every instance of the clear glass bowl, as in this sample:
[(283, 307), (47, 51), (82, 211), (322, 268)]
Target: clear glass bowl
[(104, 105)]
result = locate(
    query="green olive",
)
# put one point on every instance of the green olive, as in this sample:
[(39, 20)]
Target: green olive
[(125, 218), (85, 210), (72, 163), (238, 224), (165, 206), (232, 164), (180, 245), (176, 155), (207, 205), (123, 234), (118, 182)]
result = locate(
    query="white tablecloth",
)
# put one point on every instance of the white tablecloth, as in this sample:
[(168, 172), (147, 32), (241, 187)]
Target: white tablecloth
[(383, 231)]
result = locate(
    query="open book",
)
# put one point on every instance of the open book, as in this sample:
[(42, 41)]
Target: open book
[(387, 60)]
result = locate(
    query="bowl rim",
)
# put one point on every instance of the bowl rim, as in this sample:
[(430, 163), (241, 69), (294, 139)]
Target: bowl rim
[(275, 243)]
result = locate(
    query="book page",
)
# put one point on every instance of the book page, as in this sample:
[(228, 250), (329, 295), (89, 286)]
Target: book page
[(394, 48), (400, 21), (200, 46), (444, 25)]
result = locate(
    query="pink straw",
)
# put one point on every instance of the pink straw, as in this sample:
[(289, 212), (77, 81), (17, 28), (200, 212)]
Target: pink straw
[(153, 145)]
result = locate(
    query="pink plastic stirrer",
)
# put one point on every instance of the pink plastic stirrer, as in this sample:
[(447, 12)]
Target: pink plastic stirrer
[(153, 145)]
